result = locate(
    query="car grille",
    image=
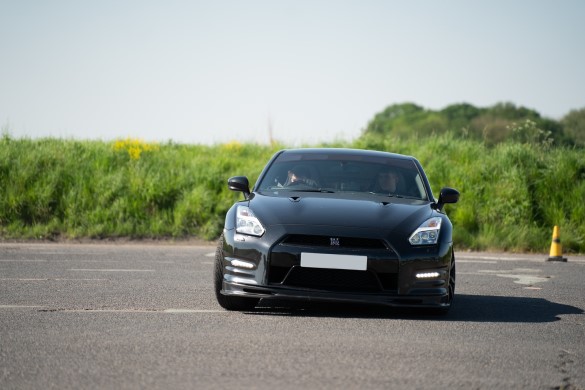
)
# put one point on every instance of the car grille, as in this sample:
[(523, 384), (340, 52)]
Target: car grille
[(343, 242), (284, 265)]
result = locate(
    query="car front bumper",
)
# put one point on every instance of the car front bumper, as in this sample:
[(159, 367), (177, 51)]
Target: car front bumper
[(426, 300), (256, 269)]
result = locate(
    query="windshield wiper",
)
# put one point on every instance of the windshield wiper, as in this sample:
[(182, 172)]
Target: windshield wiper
[(386, 195), (322, 190)]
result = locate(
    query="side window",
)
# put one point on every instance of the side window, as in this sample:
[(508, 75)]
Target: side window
[(420, 188)]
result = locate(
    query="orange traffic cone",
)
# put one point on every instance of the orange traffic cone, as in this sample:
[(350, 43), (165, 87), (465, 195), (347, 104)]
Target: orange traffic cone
[(556, 250)]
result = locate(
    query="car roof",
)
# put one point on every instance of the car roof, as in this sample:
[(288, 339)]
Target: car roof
[(348, 151)]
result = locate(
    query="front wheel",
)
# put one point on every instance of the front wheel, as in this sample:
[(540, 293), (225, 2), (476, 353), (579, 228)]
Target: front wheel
[(450, 290), (226, 301), (452, 275)]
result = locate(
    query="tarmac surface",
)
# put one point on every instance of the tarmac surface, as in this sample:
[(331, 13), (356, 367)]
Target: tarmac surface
[(143, 315)]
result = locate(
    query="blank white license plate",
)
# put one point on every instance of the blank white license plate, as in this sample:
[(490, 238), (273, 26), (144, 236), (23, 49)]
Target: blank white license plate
[(324, 260)]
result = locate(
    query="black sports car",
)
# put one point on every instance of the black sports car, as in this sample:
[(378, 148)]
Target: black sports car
[(337, 225)]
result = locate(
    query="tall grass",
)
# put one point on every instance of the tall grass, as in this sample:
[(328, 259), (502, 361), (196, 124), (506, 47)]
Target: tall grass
[(51, 188), (511, 194)]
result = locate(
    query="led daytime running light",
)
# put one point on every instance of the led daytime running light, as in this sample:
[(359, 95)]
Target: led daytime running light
[(427, 275)]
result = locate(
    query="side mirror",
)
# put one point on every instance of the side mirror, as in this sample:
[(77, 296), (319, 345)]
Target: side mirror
[(447, 195), (239, 183)]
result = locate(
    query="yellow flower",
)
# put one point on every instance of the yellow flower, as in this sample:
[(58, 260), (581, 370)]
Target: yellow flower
[(232, 146), (134, 147)]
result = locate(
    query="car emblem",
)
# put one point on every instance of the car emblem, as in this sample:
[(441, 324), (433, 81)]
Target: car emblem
[(334, 241)]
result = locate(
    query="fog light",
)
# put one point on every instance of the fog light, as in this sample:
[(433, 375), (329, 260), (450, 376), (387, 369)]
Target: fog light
[(427, 275), (242, 264)]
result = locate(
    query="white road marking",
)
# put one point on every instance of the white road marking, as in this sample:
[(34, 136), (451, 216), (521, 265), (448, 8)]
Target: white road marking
[(47, 279), (55, 261), (19, 307), (166, 311), (477, 261), (89, 261), (525, 276), (109, 270), (211, 254), (538, 258), (496, 258), (23, 261), (524, 279), (173, 311), (192, 311)]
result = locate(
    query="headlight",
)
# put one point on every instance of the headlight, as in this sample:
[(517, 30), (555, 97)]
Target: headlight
[(427, 233), (247, 223)]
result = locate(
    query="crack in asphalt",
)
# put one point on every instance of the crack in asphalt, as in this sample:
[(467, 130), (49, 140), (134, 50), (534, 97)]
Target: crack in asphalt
[(564, 366)]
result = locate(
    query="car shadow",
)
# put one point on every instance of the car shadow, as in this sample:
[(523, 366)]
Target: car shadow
[(466, 308)]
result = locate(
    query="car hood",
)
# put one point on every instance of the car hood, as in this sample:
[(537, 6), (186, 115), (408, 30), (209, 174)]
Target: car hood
[(372, 212)]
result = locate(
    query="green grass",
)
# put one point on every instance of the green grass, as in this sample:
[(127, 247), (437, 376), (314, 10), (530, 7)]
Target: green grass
[(511, 194)]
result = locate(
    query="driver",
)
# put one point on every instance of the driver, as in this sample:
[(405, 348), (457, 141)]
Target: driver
[(299, 175)]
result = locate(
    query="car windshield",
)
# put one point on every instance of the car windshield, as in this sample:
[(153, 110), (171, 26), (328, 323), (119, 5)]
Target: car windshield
[(353, 173)]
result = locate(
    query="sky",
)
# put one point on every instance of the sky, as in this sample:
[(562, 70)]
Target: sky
[(298, 72)]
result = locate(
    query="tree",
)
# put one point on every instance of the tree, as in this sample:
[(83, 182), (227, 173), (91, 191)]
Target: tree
[(574, 126), (491, 125), (460, 115), (388, 121)]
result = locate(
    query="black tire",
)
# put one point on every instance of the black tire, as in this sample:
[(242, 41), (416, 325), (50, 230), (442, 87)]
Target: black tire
[(226, 301), (452, 279), (450, 290)]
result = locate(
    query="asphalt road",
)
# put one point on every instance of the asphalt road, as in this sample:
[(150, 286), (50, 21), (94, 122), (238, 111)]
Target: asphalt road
[(144, 316)]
